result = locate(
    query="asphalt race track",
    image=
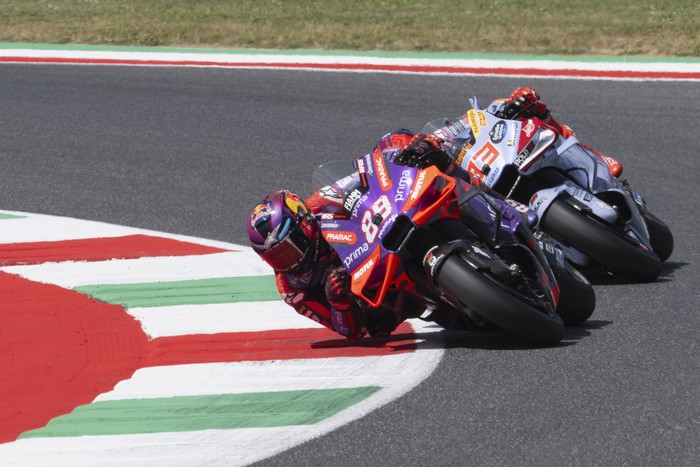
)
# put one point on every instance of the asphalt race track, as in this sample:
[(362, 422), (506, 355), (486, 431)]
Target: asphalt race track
[(190, 151)]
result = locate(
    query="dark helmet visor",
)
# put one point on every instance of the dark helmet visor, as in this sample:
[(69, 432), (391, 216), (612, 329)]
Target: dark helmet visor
[(288, 252)]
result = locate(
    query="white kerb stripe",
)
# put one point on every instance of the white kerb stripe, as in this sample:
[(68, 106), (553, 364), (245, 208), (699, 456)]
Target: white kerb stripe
[(72, 274), (265, 376), (216, 318)]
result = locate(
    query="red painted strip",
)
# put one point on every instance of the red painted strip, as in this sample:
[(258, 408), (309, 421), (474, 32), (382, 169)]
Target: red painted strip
[(60, 349), (99, 249), (273, 345), (504, 71)]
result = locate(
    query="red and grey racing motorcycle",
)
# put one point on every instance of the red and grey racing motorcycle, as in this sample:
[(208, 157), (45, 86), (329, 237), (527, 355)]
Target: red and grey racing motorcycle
[(598, 221)]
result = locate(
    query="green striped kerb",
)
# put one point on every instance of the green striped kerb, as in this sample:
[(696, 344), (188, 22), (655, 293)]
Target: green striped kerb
[(189, 292), (193, 413)]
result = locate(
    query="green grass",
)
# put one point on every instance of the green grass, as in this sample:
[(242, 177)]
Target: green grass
[(594, 27)]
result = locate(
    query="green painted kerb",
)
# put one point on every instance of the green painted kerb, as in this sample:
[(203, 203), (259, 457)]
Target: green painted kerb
[(10, 216), (193, 413), (191, 292)]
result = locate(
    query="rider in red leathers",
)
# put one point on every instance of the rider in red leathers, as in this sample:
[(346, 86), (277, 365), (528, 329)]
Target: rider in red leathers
[(284, 231)]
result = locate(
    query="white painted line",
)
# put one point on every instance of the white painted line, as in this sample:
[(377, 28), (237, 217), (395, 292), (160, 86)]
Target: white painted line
[(180, 320), (71, 274), (496, 62), (39, 228), (266, 376)]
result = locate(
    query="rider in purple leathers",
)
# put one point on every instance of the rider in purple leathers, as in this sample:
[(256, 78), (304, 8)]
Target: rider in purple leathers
[(284, 231)]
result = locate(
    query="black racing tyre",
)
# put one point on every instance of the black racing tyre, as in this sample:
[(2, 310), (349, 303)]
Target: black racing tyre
[(600, 242), (576, 296), (498, 304), (660, 236)]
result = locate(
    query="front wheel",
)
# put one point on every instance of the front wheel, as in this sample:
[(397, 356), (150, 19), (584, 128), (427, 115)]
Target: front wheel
[(498, 303), (576, 296), (660, 236), (600, 242)]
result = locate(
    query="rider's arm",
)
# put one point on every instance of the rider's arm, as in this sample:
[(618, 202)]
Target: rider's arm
[(312, 303), (309, 302), (525, 103), (423, 150), (347, 317)]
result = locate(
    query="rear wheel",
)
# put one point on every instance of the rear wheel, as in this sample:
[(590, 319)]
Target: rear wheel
[(498, 303), (601, 242)]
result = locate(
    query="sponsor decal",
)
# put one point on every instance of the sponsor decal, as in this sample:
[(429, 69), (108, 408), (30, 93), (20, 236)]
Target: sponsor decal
[(340, 237), (352, 199), (368, 164), (537, 205), (404, 182), (363, 269), (493, 176), (521, 158), (474, 122), (358, 205), (462, 152), (357, 253), (418, 186), (382, 173), (430, 260), (513, 129), (498, 132), (529, 128), (261, 211), (328, 192), (386, 225), (361, 166), (293, 299), (457, 127)]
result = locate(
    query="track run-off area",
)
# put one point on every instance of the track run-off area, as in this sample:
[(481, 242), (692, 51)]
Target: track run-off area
[(130, 346)]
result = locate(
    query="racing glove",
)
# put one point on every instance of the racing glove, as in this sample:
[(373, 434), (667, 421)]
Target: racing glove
[(338, 288), (423, 151), (524, 103), (347, 320)]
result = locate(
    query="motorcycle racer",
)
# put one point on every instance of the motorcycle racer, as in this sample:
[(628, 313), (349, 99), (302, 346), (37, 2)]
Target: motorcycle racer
[(284, 231)]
